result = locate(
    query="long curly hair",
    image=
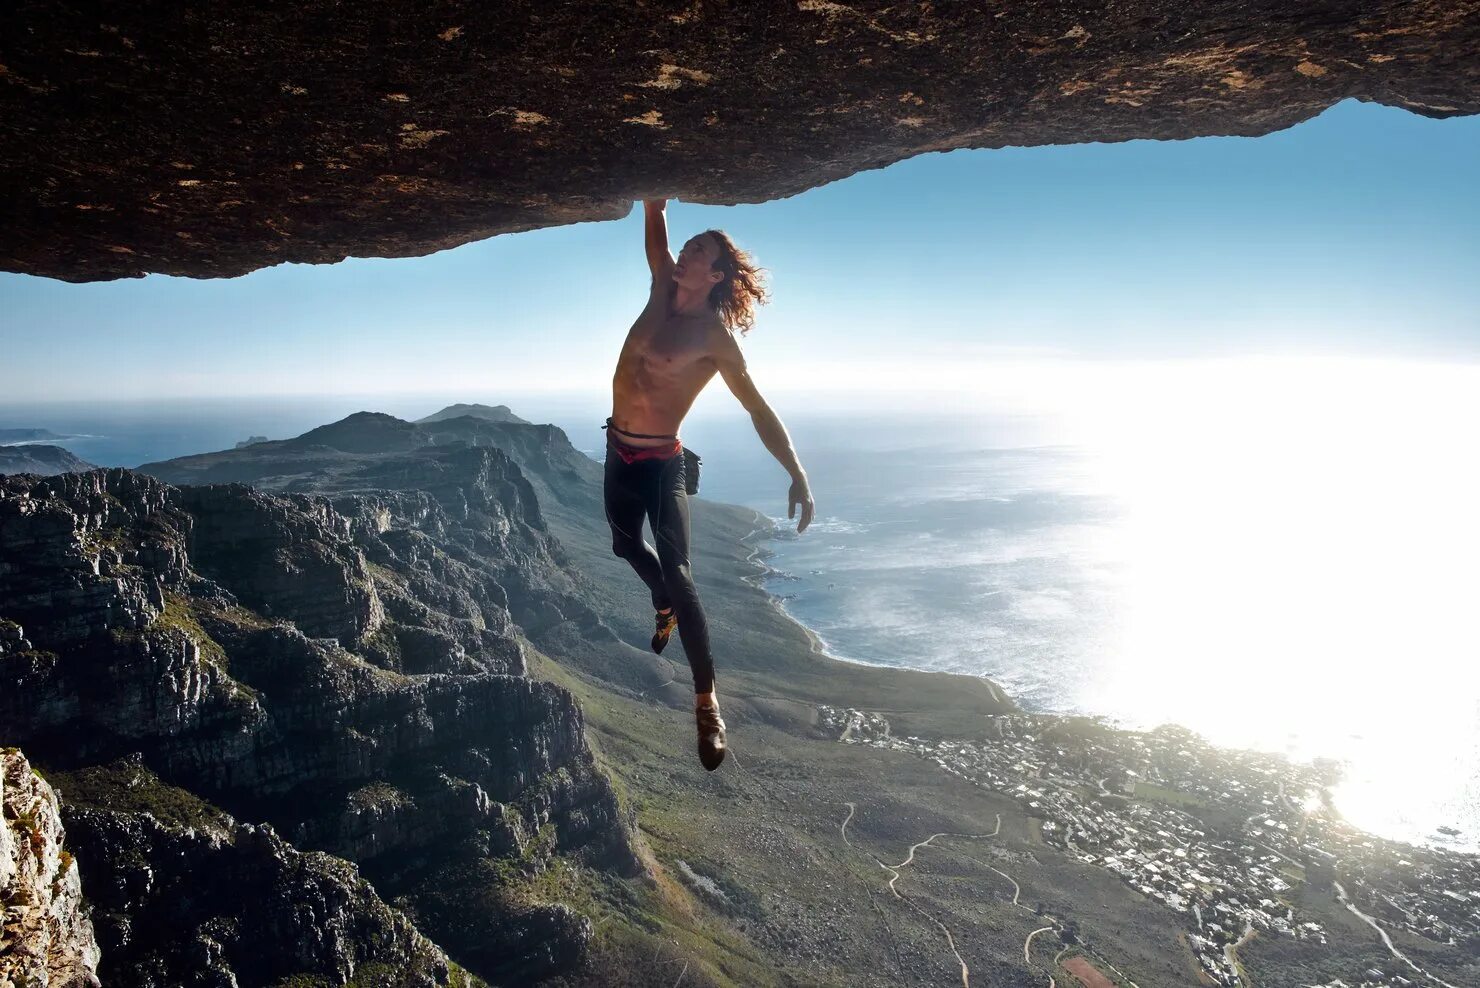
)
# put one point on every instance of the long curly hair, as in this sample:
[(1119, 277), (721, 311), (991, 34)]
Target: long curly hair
[(742, 290)]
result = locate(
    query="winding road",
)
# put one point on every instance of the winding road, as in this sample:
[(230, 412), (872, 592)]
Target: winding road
[(1230, 951)]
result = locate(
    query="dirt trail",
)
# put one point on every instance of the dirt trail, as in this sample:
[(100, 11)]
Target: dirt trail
[(894, 876), (1028, 943), (1387, 941), (1017, 890), (1087, 974), (672, 677), (909, 858)]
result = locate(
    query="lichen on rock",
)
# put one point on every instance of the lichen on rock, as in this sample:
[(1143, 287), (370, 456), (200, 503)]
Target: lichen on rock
[(46, 937)]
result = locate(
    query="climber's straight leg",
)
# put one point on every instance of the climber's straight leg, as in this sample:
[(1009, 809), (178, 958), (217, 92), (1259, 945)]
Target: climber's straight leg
[(669, 516), (626, 506)]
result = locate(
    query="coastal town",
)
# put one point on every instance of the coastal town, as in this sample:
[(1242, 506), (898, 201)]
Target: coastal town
[(1227, 839)]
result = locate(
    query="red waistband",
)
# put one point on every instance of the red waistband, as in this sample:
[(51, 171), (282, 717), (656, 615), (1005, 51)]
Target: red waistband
[(636, 454)]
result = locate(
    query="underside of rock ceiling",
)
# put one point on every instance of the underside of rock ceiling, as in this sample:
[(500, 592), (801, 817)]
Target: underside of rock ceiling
[(216, 138)]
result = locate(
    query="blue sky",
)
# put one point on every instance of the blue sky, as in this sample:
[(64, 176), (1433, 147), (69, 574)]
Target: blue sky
[(1356, 233)]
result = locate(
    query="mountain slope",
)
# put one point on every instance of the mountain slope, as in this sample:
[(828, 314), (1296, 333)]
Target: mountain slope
[(168, 625), (44, 461)]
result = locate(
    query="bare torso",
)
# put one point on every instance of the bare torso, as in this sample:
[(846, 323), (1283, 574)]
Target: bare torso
[(666, 361)]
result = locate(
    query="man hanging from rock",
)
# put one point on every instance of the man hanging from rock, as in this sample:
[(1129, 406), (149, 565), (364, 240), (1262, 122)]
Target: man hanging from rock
[(698, 307)]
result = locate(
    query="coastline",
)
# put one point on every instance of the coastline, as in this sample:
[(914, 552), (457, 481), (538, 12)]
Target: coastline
[(767, 529), (841, 768), (758, 554)]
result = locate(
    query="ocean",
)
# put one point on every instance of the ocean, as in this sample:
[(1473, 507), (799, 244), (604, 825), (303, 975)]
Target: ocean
[(1304, 588)]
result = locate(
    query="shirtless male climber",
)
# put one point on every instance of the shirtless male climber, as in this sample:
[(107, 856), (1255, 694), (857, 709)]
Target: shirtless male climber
[(697, 307)]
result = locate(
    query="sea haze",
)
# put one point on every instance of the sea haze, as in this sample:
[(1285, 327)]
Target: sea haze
[(1269, 576)]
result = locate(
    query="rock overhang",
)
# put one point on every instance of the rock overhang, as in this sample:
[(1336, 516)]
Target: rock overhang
[(209, 141)]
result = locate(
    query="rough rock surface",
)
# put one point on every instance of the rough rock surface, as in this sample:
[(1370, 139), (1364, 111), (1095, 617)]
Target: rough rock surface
[(184, 894), (46, 939), (246, 541), (141, 620), (218, 139)]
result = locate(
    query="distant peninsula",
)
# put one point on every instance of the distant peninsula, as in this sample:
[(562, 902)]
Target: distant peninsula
[(17, 437)]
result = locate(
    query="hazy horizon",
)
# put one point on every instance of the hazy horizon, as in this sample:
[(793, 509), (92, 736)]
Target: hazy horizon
[(1253, 548), (1355, 233)]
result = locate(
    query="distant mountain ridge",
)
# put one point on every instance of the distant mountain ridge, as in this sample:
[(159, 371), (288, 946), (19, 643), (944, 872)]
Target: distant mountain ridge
[(343, 449), (490, 413), (45, 461)]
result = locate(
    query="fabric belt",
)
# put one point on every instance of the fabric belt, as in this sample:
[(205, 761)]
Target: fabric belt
[(636, 454)]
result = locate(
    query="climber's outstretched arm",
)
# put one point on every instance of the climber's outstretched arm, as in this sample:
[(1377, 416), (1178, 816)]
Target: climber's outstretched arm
[(768, 426), (655, 236)]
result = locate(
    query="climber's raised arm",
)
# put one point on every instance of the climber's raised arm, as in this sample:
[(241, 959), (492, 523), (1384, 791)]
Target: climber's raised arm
[(655, 236)]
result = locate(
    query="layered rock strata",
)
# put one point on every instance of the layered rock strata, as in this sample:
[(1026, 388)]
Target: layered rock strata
[(226, 138)]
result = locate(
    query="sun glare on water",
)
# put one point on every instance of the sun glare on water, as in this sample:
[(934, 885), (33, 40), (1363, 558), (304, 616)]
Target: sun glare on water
[(1298, 567)]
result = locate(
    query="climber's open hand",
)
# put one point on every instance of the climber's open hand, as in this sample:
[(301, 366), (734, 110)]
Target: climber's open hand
[(800, 495)]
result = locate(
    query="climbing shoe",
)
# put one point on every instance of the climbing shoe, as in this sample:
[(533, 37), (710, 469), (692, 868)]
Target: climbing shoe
[(711, 736), (666, 624)]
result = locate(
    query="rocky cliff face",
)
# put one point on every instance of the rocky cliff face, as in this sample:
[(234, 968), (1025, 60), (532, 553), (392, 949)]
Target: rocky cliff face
[(46, 938), (473, 487), (232, 137), (184, 894), (345, 668)]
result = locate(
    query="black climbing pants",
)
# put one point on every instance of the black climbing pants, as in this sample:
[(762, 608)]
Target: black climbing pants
[(656, 490)]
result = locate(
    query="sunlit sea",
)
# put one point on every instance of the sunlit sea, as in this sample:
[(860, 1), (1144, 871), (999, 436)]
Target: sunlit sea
[(1276, 561), (1308, 585)]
